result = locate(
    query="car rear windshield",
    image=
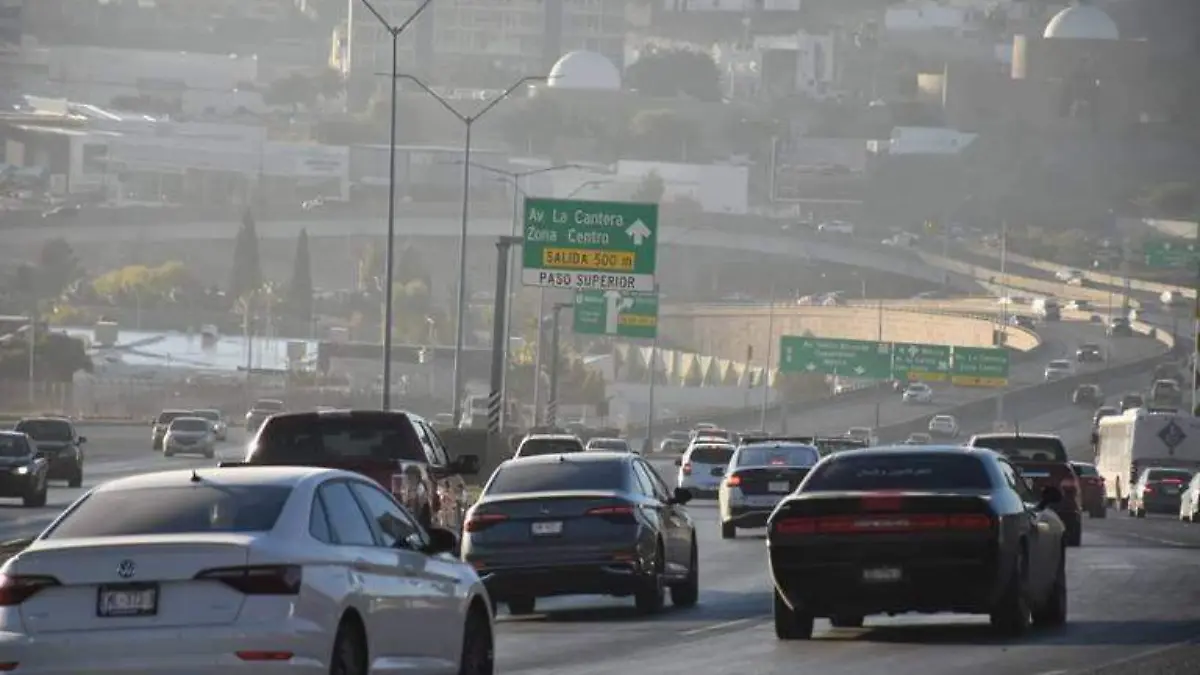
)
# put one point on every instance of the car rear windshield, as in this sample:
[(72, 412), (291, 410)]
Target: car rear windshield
[(208, 414), (781, 455), (194, 424), (899, 471), (1085, 470), (12, 445), (549, 446), (269, 405), (45, 430), (1169, 474), (330, 437), (1026, 448), (186, 509), (608, 445), (166, 416), (711, 454), (518, 477), (827, 446)]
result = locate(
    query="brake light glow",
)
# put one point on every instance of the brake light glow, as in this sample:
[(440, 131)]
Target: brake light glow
[(733, 480), (16, 589), (1068, 484), (1147, 489), (478, 522), (687, 468), (618, 513), (264, 656), (882, 503), (1173, 481), (259, 579), (884, 524)]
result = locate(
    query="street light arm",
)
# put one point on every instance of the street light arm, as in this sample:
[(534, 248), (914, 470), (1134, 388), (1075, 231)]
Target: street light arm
[(492, 103), (396, 30), (378, 16), (437, 97)]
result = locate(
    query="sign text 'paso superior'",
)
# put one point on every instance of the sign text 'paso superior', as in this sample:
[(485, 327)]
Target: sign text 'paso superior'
[(590, 245)]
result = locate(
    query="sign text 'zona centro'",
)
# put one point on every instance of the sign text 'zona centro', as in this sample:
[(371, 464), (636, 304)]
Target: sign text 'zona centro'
[(590, 245)]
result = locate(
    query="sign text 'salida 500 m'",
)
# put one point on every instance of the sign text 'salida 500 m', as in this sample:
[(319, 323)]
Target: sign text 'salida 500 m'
[(588, 245)]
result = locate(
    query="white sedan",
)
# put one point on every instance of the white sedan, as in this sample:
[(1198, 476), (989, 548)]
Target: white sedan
[(917, 392), (242, 570), (943, 425)]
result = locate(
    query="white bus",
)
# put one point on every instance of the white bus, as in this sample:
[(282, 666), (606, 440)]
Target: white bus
[(1139, 438)]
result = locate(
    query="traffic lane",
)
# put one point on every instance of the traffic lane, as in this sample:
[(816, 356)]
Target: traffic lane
[(111, 441), (1125, 598), (1155, 529)]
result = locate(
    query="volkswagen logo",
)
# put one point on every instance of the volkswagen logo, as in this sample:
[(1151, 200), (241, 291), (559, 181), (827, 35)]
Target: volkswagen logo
[(126, 569)]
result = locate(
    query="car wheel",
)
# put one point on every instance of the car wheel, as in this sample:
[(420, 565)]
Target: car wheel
[(349, 650), (521, 606), (652, 596), (36, 499), (791, 624), (687, 592), (1074, 535), (76, 479), (478, 651), (846, 621), (1054, 611), (728, 530), (1011, 614), (168, 453), (1140, 513)]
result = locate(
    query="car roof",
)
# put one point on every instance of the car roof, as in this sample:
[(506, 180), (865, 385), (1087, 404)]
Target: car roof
[(558, 457), (11, 432), (550, 437), (46, 418), (892, 450), (321, 414), (777, 444), (943, 416), (1013, 434), (606, 439), (289, 476)]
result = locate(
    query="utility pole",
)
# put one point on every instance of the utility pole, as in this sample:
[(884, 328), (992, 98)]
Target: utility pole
[(649, 446), (496, 402), (552, 404), (766, 397), (1003, 333)]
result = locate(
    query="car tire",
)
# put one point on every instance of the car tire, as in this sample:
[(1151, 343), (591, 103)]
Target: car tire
[(1099, 512), (652, 596), (728, 530), (687, 592), (1054, 611), (168, 453), (478, 650), (521, 606), (847, 621), (1073, 536), (1140, 513), (76, 479), (36, 499), (349, 650), (790, 624), (1011, 615)]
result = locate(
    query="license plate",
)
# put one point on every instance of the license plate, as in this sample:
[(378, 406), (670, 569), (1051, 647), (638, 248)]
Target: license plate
[(127, 600), (881, 575), (547, 529), (781, 486), (1171, 490)]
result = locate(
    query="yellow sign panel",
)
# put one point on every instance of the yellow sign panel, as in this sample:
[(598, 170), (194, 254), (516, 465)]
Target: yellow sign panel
[(637, 320), (975, 381), (577, 258), (922, 376)]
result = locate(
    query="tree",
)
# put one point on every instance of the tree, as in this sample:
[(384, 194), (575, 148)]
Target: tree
[(651, 189), (141, 284), (300, 290), (370, 268), (669, 73), (664, 134), (57, 268), (247, 274)]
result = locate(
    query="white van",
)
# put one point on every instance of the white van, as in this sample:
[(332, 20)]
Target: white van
[(1048, 309)]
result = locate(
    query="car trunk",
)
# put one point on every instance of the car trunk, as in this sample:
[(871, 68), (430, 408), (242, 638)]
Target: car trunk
[(770, 479), (143, 582), (556, 527)]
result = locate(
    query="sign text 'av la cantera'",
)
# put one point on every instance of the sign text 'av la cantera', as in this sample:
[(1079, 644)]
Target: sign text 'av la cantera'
[(590, 245)]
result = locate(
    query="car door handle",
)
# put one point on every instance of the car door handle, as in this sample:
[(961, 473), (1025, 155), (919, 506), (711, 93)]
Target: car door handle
[(361, 565)]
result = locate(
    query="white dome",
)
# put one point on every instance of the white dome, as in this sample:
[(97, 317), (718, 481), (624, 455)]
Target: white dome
[(584, 70), (1082, 22)]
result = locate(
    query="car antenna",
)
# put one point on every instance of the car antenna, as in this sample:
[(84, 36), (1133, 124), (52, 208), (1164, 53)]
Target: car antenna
[(195, 477)]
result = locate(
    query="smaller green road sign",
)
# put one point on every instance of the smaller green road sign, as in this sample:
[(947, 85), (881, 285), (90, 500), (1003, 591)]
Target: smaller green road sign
[(1162, 253), (630, 315), (865, 359), (589, 245), (921, 362), (979, 367)]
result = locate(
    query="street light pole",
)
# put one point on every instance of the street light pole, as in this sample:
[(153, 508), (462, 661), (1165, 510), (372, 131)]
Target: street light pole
[(552, 403), (389, 263), (468, 122), (766, 397)]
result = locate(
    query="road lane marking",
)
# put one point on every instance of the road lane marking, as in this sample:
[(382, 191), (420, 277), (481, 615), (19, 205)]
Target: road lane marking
[(1156, 540), (1139, 655), (720, 626)]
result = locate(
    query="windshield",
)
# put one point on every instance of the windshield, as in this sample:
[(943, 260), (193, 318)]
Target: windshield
[(711, 454), (533, 447), (166, 416), (781, 455), (12, 445), (211, 415), (268, 405), (1025, 448), (187, 509), (943, 419), (45, 430), (322, 438), (607, 444), (1085, 470), (543, 476), (830, 445), (859, 432), (899, 471), (1168, 475), (1059, 365), (189, 424)]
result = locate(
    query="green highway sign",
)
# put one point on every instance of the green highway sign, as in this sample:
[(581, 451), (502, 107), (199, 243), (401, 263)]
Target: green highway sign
[(921, 362), (589, 245), (629, 315), (865, 359), (1163, 253), (980, 367)]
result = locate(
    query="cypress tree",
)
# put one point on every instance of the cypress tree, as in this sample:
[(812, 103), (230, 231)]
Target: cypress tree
[(247, 268), (300, 290)]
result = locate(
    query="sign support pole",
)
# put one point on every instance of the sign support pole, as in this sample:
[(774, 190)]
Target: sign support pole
[(766, 397), (499, 335), (552, 404)]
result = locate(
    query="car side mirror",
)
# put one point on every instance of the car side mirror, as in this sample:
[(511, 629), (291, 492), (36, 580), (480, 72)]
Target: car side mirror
[(681, 496), (465, 465), (1050, 495), (678, 461), (82, 440), (441, 541)]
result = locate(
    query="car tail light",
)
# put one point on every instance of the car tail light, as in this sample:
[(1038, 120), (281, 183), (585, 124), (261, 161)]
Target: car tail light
[(615, 513), (479, 522), (1172, 481), (258, 580), (1147, 489), (733, 480), (687, 468), (18, 588), (1068, 484), (264, 656), (884, 524)]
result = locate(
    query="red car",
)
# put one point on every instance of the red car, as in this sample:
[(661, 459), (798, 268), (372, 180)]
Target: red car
[(1091, 489)]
